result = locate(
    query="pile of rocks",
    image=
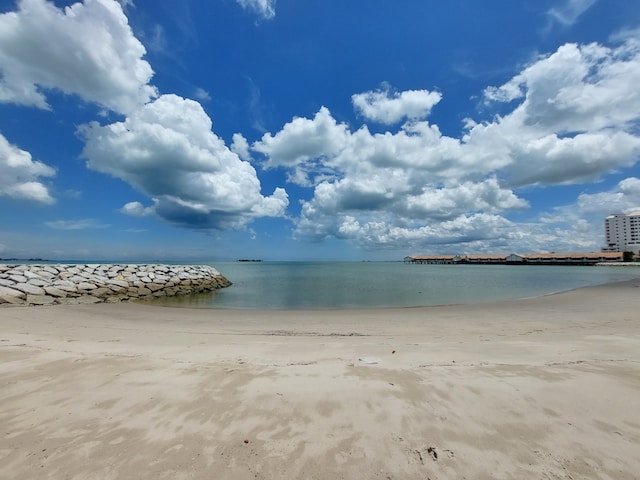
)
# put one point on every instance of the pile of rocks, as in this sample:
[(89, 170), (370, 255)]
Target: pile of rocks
[(96, 283)]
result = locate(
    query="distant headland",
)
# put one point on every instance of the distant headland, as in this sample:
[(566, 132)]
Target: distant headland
[(24, 260)]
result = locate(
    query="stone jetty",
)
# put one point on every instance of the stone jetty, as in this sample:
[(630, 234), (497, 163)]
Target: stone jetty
[(49, 284)]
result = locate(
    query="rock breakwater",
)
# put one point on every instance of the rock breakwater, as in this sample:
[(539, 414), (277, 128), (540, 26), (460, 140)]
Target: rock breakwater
[(96, 283)]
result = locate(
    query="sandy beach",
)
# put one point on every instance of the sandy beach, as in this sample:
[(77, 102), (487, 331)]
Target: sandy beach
[(543, 388)]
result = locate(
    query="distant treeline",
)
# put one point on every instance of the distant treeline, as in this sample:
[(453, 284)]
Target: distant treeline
[(23, 260)]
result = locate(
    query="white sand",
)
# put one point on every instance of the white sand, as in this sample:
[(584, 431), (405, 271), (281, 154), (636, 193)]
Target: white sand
[(545, 388)]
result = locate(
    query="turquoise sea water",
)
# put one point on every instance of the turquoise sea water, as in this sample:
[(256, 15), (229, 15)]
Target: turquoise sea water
[(326, 285)]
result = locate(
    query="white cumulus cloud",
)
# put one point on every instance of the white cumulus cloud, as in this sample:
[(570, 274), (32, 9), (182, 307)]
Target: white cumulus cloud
[(303, 145), (578, 88), (387, 107), (240, 146), (20, 175), (167, 150), (137, 209), (572, 117), (87, 49), (623, 198), (577, 117)]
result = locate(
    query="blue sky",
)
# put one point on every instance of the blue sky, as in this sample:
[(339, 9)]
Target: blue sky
[(334, 130)]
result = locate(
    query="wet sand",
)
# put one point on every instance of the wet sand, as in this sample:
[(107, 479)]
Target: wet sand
[(544, 388)]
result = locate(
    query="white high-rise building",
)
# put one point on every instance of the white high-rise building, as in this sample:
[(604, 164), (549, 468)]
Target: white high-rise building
[(622, 233)]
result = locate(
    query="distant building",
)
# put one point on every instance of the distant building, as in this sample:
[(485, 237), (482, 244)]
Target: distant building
[(433, 259), (622, 233), (587, 258)]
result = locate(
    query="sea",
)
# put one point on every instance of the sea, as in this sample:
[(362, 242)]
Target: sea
[(353, 285)]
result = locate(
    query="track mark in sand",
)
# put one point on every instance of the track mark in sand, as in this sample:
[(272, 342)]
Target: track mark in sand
[(291, 333), (431, 452), (295, 364)]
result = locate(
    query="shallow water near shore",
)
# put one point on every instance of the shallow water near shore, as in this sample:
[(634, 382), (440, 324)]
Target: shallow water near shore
[(339, 285)]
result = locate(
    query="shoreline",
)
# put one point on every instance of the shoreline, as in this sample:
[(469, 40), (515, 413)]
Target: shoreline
[(544, 387), (177, 302)]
